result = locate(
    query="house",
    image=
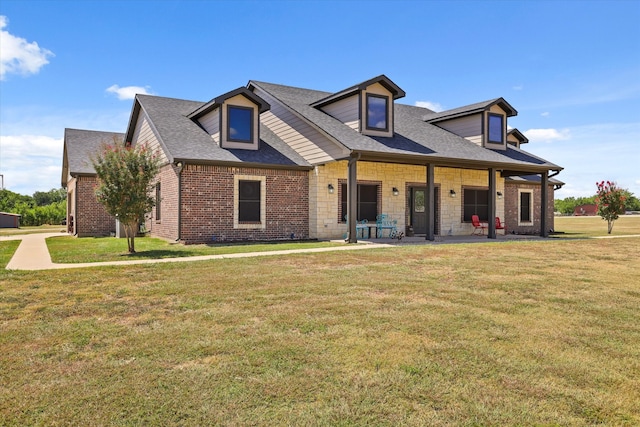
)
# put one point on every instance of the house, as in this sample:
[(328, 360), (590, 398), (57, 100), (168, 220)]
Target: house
[(85, 215), (271, 162), (9, 220), (585, 210)]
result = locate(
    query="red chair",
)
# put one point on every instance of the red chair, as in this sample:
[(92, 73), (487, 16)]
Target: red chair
[(499, 225), (477, 225)]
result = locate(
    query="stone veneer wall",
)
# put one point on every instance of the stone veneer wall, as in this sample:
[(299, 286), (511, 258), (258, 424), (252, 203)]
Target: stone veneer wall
[(324, 207)]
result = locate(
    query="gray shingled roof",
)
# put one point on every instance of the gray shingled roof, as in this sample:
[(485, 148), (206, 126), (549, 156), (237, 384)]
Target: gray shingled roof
[(183, 139), (466, 110), (413, 137), (79, 146)]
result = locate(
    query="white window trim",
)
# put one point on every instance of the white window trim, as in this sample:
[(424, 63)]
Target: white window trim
[(263, 202), (531, 210)]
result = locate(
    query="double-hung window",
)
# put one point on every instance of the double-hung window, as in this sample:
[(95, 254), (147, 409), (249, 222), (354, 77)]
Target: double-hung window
[(377, 112), (249, 201), (239, 124), (476, 202)]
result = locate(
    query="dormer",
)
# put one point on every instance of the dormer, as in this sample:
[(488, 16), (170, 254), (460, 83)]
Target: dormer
[(233, 119), (484, 123), (366, 107), (516, 138)]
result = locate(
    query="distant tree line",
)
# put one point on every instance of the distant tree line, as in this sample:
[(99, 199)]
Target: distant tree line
[(567, 206), (48, 207)]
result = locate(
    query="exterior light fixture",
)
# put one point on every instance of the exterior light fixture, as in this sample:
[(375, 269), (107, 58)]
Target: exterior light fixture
[(395, 191), (499, 194), (330, 188), (452, 193), (178, 164)]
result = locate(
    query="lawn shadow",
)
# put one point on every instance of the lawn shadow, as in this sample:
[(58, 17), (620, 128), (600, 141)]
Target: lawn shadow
[(159, 254)]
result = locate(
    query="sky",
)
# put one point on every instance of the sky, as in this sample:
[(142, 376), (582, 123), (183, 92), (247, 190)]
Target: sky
[(570, 68)]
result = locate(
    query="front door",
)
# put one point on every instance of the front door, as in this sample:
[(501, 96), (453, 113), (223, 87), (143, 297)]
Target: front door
[(418, 210)]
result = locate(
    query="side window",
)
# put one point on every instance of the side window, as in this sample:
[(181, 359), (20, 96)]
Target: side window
[(475, 202), (525, 207), (377, 112), (496, 128), (249, 201), (240, 124), (158, 202)]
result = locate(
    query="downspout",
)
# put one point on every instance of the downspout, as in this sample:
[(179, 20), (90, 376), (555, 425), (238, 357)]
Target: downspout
[(179, 166), (75, 209)]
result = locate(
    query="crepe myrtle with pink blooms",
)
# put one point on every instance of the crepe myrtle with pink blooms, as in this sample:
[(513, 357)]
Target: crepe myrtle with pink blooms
[(610, 202)]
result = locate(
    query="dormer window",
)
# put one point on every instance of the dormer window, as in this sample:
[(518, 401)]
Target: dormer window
[(366, 107), (377, 112), (233, 119), (496, 128), (240, 124)]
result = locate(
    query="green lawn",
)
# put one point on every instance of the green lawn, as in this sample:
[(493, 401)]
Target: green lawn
[(68, 249), (31, 230), (517, 333), (593, 226)]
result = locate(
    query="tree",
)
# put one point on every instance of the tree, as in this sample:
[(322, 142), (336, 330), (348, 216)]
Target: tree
[(631, 202), (610, 202), (125, 174), (52, 196)]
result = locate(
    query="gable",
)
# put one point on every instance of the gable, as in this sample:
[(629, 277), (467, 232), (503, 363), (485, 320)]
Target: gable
[(79, 147), (346, 110), (143, 133)]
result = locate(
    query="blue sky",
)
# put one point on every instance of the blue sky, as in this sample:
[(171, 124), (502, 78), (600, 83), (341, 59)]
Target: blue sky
[(570, 68)]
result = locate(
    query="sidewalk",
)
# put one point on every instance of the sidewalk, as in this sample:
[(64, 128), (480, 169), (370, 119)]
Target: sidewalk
[(33, 254)]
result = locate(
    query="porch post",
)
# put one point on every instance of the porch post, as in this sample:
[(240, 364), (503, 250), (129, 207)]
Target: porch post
[(491, 231), (352, 200), (430, 203), (544, 193)]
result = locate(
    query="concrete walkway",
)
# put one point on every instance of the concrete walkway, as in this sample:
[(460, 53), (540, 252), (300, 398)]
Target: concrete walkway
[(33, 254)]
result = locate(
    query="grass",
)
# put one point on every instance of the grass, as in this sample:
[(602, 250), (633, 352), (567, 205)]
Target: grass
[(68, 249), (594, 226), (31, 230), (7, 249), (517, 333)]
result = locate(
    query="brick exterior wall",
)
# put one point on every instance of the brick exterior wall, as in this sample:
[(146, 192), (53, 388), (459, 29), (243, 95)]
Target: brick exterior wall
[(91, 218), (167, 226), (511, 210), (208, 204)]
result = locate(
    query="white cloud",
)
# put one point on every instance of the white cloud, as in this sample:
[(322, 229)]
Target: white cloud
[(592, 153), (128, 92), (433, 106), (30, 163), (518, 87), (17, 56), (545, 114), (547, 135)]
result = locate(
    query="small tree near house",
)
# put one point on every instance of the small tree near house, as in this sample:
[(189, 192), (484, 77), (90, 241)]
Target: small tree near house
[(125, 174), (610, 202)]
